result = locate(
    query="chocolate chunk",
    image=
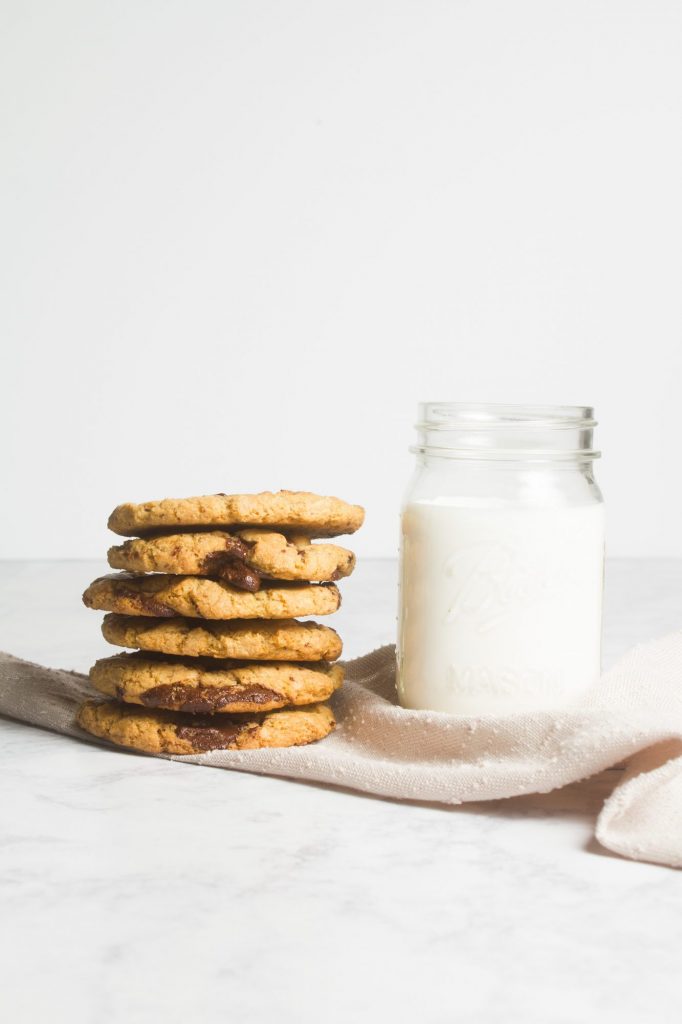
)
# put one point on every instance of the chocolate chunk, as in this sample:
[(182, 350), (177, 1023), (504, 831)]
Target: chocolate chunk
[(211, 734), (209, 737), (204, 699), (146, 604), (230, 565), (239, 575)]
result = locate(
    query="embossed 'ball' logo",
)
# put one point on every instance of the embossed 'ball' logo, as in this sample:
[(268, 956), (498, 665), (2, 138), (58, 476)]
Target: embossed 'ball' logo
[(493, 580)]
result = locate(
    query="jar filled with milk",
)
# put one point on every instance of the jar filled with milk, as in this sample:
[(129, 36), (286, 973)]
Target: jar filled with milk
[(502, 560)]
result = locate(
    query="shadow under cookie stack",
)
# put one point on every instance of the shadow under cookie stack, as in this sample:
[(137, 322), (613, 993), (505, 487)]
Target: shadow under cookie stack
[(209, 597)]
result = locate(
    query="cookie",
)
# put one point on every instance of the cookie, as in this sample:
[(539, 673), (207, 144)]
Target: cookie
[(203, 598), (312, 514), (209, 685), (169, 732), (253, 639), (242, 558)]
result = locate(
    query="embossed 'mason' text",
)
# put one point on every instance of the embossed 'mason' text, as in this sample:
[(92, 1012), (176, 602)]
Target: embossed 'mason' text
[(474, 679)]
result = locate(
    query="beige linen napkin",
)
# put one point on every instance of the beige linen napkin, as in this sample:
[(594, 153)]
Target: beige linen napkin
[(634, 714)]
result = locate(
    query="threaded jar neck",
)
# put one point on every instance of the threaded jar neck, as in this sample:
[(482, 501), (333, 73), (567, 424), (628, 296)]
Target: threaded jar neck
[(536, 433)]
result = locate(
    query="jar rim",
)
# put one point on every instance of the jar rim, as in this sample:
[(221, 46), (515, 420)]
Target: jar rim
[(484, 415), (501, 431)]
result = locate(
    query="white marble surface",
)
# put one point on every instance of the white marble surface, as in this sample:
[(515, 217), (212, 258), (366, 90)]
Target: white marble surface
[(137, 890)]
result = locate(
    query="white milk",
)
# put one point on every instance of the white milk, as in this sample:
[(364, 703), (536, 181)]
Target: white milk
[(500, 605)]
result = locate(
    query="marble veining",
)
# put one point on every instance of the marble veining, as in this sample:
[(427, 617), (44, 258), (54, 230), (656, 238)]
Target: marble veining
[(134, 889)]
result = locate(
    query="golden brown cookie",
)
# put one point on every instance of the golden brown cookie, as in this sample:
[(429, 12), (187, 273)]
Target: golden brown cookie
[(253, 639), (241, 558), (209, 685), (312, 514), (203, 598), (171, 732)]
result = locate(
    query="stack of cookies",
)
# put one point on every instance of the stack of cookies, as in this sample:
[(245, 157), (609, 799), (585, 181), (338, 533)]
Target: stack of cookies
[(209, 597)]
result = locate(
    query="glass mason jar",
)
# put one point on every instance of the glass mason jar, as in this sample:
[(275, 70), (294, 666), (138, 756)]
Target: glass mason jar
[(502, 560)]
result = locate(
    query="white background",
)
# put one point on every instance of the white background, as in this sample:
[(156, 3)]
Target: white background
[(242, 239)]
